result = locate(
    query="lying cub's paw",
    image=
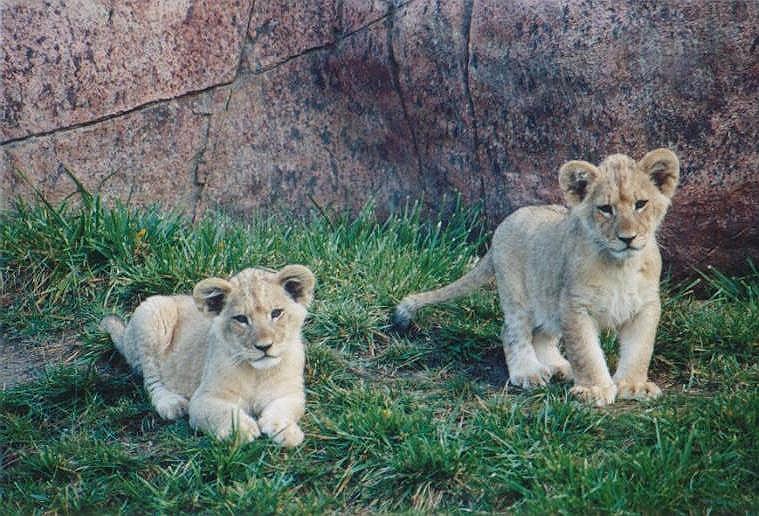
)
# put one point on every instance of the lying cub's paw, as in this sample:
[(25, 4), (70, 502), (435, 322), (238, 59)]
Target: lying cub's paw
[(282, 431), (247, 429), (640, 391), (598, 395), (529, 376), (289, 437), (170, 405)]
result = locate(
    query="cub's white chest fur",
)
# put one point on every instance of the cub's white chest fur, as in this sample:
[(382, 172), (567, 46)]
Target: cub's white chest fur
[(617, 308), (615, 297)]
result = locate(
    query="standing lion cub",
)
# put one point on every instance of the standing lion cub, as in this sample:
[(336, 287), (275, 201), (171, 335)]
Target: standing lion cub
[(231, 354), (571, 273)]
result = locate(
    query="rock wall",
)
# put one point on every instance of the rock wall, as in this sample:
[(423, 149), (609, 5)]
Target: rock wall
[(270, 105)]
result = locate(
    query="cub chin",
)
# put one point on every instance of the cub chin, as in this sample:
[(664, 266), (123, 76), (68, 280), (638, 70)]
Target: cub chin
[(231, 354), (566, 274)]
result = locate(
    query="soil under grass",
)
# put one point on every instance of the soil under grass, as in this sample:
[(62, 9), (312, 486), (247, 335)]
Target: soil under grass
[(422, 422)]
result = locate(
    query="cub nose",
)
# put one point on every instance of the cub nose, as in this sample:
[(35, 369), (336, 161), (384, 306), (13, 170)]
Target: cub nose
[(263, 346), (627, 240)]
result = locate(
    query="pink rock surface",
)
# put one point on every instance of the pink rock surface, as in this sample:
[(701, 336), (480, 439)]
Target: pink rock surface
[(148, 156), (280, 31), (327, 130), (428, 43), (66, 63), (553, 81), (339, 102)]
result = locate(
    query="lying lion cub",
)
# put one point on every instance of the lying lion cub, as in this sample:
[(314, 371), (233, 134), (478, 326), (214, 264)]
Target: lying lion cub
[(571, 273), (233, 350)]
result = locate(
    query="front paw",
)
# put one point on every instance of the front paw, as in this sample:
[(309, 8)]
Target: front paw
[(241, 427), (247, 429), (290, 437), (529, 374), (282, 431), (170, 406), (598, 395), (641, 391), (563, 371)]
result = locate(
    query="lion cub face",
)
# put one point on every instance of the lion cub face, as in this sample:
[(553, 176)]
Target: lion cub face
[(259, 313), (621, 202)]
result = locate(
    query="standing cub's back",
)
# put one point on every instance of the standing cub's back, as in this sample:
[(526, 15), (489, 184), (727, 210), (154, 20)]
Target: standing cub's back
[(230, 353)]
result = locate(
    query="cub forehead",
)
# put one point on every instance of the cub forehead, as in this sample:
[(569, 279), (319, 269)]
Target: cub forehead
[(621, 179), (618, 169), (259, 287), (251, 276), (618, 161)]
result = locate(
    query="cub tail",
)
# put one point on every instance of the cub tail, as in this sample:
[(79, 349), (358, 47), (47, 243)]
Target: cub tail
[(406, 310), (114, 326)]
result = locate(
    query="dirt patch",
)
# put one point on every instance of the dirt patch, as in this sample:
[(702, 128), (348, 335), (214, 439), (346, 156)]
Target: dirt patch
[(25, 360), (489, 367)]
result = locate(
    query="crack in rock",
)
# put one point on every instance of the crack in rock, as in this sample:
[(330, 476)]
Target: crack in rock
[(468, 11), (395, 74)]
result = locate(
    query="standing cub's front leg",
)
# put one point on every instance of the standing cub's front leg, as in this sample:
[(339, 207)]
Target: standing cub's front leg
[(636, 346), (593, 382), (279, 420), (221, 418)]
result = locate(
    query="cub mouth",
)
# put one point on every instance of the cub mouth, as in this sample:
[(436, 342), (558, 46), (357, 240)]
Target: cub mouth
[(624, 253), (265, 361)]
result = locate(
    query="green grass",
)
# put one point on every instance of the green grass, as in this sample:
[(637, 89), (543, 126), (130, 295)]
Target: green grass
[(416, 423)]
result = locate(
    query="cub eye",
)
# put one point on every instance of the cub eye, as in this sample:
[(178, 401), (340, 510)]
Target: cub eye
[(276, 313), (606, 209), (639, 205), (242, 319)]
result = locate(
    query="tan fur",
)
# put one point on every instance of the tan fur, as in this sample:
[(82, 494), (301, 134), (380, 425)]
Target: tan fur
[(570, 273), (225, 354)]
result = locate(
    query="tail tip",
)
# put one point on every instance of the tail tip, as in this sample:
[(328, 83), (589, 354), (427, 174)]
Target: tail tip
[(401, 318), (111, 324)]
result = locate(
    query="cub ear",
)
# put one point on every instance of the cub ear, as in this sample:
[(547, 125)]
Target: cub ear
[(210, 295), (663, 167), (298, 281), (575, 179)]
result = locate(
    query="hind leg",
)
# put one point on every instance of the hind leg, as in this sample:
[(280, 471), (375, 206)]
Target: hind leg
[(152, 328), (547, 350), (525, 370), (167, 403)]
